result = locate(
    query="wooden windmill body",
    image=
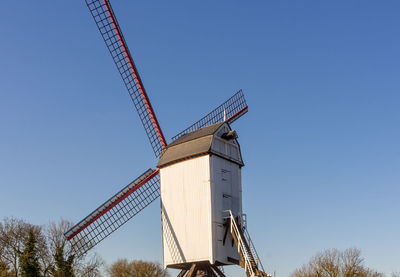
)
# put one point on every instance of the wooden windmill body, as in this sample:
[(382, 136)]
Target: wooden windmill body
[(198, 176), (200, 180)]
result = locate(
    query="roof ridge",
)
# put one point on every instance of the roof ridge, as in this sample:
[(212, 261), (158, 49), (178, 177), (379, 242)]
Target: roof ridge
[(192, 135)]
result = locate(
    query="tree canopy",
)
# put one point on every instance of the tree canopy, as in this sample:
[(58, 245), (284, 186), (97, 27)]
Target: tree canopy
[(335, 263), (29, 259), (28, 250), (123, 268)]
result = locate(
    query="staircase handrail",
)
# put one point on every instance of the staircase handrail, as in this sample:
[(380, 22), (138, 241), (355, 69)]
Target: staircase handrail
[(241, 246), (253, 249)]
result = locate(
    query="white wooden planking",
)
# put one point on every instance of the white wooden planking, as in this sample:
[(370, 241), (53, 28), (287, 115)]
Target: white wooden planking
[(194, 195), (186, 211)]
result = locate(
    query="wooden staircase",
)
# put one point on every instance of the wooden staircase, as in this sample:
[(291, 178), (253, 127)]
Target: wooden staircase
[(247, 252)]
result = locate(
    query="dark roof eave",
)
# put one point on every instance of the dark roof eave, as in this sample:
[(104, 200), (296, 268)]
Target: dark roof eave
[(241, 164)]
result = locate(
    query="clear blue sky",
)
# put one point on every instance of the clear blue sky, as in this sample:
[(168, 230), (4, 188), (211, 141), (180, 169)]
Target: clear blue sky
[(320, 140)]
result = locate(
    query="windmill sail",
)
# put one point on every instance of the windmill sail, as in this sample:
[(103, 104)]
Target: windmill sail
[(109, 29), (230, 110), (114, 212)]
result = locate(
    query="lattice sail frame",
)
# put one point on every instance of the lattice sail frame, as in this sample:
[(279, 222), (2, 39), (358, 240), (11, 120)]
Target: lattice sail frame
[(114, 212), (230, 110), (107, 24)]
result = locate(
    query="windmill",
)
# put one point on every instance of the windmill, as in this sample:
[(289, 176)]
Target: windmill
[(198, 177)]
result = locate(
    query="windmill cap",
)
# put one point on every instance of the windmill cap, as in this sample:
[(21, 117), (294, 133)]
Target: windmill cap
[(198, 143)]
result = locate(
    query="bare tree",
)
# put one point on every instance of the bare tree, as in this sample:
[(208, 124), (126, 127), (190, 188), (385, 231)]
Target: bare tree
[(55, 256), (352, 263), (335, 263), (63, 261), (123, 268), (91, 267), (4, 268), (13, 233), (11, 243), (59, 258)]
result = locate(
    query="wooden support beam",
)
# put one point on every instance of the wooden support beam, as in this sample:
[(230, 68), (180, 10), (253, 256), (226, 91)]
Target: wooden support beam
[(220, 273), (192, 271), (182, 273), (211, 272)]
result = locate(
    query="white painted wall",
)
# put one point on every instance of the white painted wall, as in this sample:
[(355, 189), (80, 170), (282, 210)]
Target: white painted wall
[(194, 195), (186, 211)]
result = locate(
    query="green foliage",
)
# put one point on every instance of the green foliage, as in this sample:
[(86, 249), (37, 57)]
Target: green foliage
[(28, 250), (4, 270), (63, 267), (29, 260)]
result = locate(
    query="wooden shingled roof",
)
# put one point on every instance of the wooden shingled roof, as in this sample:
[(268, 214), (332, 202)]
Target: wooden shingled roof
[(191, 145)]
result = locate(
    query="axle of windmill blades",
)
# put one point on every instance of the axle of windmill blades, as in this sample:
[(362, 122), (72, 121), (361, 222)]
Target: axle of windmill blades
[(115, 212), (229, 111), (111, 33)]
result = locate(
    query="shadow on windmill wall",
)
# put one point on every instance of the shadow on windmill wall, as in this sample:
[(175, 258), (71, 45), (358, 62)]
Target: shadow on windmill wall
[(171, 241)]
